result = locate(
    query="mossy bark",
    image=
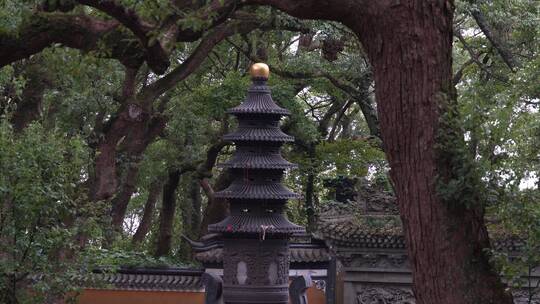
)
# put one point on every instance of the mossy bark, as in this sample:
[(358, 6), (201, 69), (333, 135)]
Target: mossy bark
[(410, 48)]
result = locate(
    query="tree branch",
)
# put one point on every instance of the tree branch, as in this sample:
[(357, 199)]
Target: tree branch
[(156, 56), (207, 188), (157, 49), (331, 135), (128, 87), (198, 56), (360, 95), (497, 43), (148, 212), (215, 36), (475, 56), (205, 169), (47, 27), (76, 31), (335, 106), (459, 73), (339, 10)]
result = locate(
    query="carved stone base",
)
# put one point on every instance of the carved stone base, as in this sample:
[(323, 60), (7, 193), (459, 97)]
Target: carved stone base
[(256, 271), (384, 295)]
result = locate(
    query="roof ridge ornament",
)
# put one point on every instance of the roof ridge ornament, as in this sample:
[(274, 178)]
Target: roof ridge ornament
[(259, 70)]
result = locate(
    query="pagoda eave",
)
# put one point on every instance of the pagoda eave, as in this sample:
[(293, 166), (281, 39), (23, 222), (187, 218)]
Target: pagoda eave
[(260, 161), (274, 224), (253, 134), (258, 111), (265, 196)]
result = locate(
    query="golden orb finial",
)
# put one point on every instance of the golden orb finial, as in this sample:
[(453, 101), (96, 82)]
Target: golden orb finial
[(259, 70)]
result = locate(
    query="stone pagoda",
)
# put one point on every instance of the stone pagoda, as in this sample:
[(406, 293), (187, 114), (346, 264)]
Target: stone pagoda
[(256, 234)]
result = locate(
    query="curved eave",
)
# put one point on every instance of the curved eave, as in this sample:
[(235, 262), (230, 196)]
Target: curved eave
[(274, 224), (257, 161), (258, 134), (262, 111), (259, 102), (257, 191)]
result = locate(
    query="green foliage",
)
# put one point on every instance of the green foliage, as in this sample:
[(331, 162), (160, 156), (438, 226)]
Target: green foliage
[(518, 269), (40, 177), (13, 12), (83, 90), (499, 112), (349, 157), (44, 212), (458, 182), (112, 259)]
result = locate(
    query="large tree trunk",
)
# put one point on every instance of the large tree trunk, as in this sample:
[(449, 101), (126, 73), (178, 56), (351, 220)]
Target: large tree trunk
[(29, 105), (136, 145), (196, 203), (136, 134), (130, 121), (191, 214), (121, 200), (217, 209), (148, 213), (309, 204), (410, 48), (409, 44), (166, 216)]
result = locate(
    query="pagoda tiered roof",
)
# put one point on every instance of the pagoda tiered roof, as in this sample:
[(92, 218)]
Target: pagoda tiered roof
[(258, 134), (259, 101), (257, 161), (258, 168), (240, 189), (247, 223)]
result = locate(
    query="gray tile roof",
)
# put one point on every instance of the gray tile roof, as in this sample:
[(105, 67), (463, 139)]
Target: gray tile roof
[(259, 101), (258, 161), (274, 190), (141, 279), (360, 225), (275, 224)]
